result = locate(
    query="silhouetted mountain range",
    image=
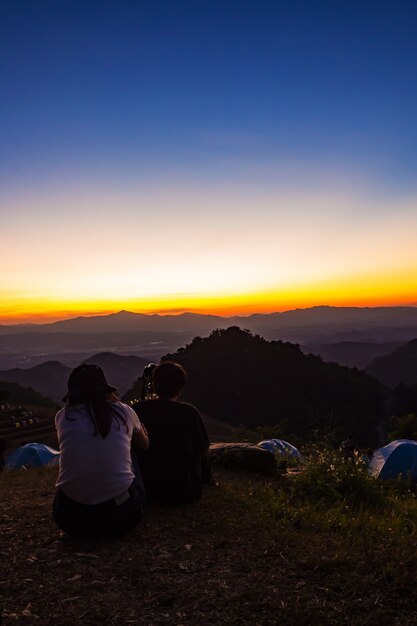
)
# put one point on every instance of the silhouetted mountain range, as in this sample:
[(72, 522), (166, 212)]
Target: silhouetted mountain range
[(121, 322), (321, 319), (22, 395), (243, 379), (155, 335), (397, 367), (50, 378), (350, 353)]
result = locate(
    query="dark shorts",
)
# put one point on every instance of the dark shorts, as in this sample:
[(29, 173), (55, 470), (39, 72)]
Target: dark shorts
[(114, 517)]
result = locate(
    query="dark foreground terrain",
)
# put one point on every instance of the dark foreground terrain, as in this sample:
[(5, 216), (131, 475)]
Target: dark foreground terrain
[(249, 553)]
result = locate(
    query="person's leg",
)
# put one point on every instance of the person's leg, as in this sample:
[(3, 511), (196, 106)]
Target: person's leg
[(71, 517), (109, 518), (120, 515)]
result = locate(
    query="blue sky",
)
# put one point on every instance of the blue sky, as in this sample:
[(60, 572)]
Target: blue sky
[(293, 112), (93, 87)]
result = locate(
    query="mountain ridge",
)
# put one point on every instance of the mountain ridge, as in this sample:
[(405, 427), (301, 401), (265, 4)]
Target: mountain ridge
[(398, 367), (243, 379), (50, 378), (317, 314), (155, 335)]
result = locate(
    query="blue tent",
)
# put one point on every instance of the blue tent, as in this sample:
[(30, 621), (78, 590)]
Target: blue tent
[(31, 455), (279, 446), (398, 458)]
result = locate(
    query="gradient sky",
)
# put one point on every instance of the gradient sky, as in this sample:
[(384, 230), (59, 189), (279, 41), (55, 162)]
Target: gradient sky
[(225, 156)]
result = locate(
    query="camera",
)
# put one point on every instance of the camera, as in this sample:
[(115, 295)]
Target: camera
[(147, 392)]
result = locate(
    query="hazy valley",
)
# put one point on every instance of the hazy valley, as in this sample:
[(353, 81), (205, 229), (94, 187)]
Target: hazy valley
[(291, 371), (349, 336)]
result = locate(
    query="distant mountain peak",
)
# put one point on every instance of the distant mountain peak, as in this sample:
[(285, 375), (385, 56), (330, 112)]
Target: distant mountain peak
[(124, 313)]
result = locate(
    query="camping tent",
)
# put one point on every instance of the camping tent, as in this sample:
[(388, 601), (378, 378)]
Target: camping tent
[(398, 458), (279, 446), (31, 455)]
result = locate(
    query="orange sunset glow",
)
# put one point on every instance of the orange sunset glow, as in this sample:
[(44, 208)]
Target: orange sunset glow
[(276, 190), (357, 291), (273, 250)]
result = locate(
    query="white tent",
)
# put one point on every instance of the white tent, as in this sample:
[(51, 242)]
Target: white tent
[(398, 458), (280, 446)]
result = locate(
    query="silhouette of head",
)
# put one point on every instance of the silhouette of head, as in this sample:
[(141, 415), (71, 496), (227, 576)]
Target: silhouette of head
[(169, 379), (86, 380), (87, 385)]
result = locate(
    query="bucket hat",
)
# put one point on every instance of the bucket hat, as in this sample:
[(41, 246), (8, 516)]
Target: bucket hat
[(85, 379)]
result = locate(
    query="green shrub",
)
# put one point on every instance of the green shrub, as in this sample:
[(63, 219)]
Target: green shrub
[(329, 479)]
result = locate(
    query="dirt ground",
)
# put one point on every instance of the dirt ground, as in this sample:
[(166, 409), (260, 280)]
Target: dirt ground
[(220, 561)]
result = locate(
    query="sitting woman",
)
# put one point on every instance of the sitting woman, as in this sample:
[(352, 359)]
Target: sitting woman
[(97, 492), (176, 464)]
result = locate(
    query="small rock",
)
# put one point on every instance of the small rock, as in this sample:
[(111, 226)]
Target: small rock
[(74, 578), (98, 584)]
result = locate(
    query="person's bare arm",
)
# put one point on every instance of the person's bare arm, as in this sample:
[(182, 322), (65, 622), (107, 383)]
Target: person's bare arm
[(140, 440)]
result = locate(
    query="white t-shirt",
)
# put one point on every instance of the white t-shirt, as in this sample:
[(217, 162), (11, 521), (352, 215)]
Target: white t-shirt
[(92, 469)]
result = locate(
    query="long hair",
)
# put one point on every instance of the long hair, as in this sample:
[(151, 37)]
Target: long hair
[(102, 410)]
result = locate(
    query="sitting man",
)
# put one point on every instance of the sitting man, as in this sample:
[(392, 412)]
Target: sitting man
[(176, 464)]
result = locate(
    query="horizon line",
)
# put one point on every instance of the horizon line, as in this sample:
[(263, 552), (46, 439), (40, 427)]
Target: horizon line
[(101, 314)]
